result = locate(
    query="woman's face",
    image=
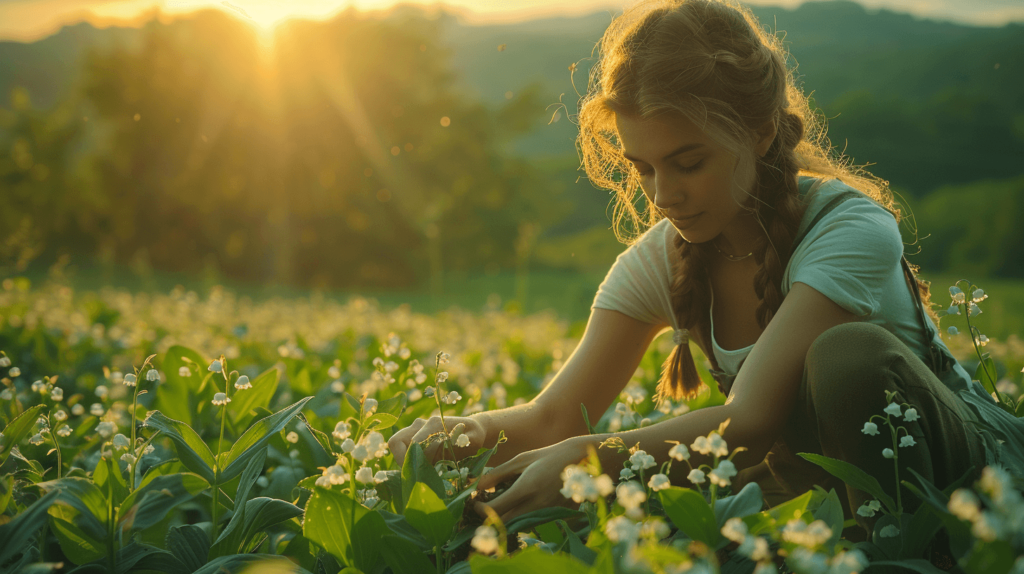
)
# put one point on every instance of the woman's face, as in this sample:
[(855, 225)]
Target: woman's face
[(689, 177)]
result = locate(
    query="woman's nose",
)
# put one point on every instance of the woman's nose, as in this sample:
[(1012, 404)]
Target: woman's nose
[(666, 196)]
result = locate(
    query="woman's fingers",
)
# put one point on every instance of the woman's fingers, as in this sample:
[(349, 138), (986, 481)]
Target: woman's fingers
[(400, 441), (502, 472), (508, 505), (430, 427)]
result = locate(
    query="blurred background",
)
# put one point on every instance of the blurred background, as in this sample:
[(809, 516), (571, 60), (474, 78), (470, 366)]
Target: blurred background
[(424, 154)]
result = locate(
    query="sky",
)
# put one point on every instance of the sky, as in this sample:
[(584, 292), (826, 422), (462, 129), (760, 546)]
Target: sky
[(29, 20)]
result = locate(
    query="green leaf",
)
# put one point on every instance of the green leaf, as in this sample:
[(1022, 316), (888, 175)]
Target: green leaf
[(478, 461), (149, 504), (381, 420), (108, 478), (404, 557), (852, 476), (915, 565), (256, 438), (231, 538), (135, 556), (744, 503), (984, 373), (24, 526), (349, 531), (242, 563), (81, 502), (417, 469), (243, 402), (995, 556), (691, 514), (586, 419), (190, 544), (260, 513), (428, 514), (174, 396), (191, 449), (394, 405), (532, 559), (780, 514), (831, 512), (17, 430)]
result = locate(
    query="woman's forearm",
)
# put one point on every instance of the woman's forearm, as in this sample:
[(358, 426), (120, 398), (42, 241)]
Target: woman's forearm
[(527, 426), (685, 429)]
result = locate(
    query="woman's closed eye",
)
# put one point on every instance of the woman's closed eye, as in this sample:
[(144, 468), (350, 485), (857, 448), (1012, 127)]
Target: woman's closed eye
[(682, 169)]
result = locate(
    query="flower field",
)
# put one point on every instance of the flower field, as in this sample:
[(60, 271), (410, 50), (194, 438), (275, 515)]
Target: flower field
[(185, 434)]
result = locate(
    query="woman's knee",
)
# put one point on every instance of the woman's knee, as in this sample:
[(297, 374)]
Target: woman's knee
[(849, 353)]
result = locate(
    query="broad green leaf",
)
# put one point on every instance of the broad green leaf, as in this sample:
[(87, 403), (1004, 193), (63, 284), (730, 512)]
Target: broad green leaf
[(190, 544), (428, 514), (81, 502), (914, 565), (231, 538), (404, 557), (478, 461), (780, 514), (995, 556), (532, 559), (256, 438), (148, 505), (852, 476), (401, 527), (7, 486), (23, 527), (417, 469), (346, 529), (172, 466), (831, 511), (251, 563), (108, 477), (243, 402), (380, 420), (393, 405), (135, 557), (260, 513), (744, 503), (984, 373), (78, 547), (17, 430), (691, 514), (174, 395), (191, 449)]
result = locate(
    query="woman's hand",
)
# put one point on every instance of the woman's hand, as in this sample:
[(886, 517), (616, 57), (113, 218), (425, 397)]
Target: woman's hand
[(539, 483), (420, 429)]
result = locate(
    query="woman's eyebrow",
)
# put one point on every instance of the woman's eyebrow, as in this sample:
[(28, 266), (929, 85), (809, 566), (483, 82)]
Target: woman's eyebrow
[(676, 152)]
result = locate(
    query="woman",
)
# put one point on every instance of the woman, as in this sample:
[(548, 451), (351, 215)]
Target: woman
[(767, 252)]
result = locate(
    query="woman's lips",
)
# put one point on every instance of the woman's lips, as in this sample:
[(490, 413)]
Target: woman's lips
[(684, 223)]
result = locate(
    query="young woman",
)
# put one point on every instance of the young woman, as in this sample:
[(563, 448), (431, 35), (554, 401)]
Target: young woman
[(780, 263)]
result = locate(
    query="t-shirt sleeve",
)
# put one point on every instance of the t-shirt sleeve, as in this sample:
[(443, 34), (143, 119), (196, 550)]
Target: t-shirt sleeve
[(849, 256), (639, 282)]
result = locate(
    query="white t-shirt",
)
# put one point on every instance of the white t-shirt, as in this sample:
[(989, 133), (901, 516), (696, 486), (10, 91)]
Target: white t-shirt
[(852, 256)]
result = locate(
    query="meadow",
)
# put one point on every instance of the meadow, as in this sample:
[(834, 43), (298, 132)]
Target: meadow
[(178, 432)]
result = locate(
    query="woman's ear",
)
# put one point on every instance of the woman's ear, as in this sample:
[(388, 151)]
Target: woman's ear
[(766, 135)]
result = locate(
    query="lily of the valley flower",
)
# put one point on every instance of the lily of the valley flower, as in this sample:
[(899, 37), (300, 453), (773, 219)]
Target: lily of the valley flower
[(907, 440), (57, 394), (893, 409), (679, 452), (152, 375), (911, 415), (696, 476), (952, 330), (640, 460), (485, 540), (870, 429), (630, 495), (659, 482), (622, 529), (342, 431), (888, 453), (580, 485), (215, 367), (243, 383), (723, 473), (220, 399)]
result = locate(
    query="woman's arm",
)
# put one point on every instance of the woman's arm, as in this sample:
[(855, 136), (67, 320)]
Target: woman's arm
[(595, 373)]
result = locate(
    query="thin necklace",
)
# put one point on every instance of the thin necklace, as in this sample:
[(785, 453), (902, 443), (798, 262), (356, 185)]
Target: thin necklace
[(732, 257)]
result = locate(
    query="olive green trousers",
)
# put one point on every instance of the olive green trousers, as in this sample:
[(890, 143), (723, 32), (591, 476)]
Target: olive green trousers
[(846, 372)]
